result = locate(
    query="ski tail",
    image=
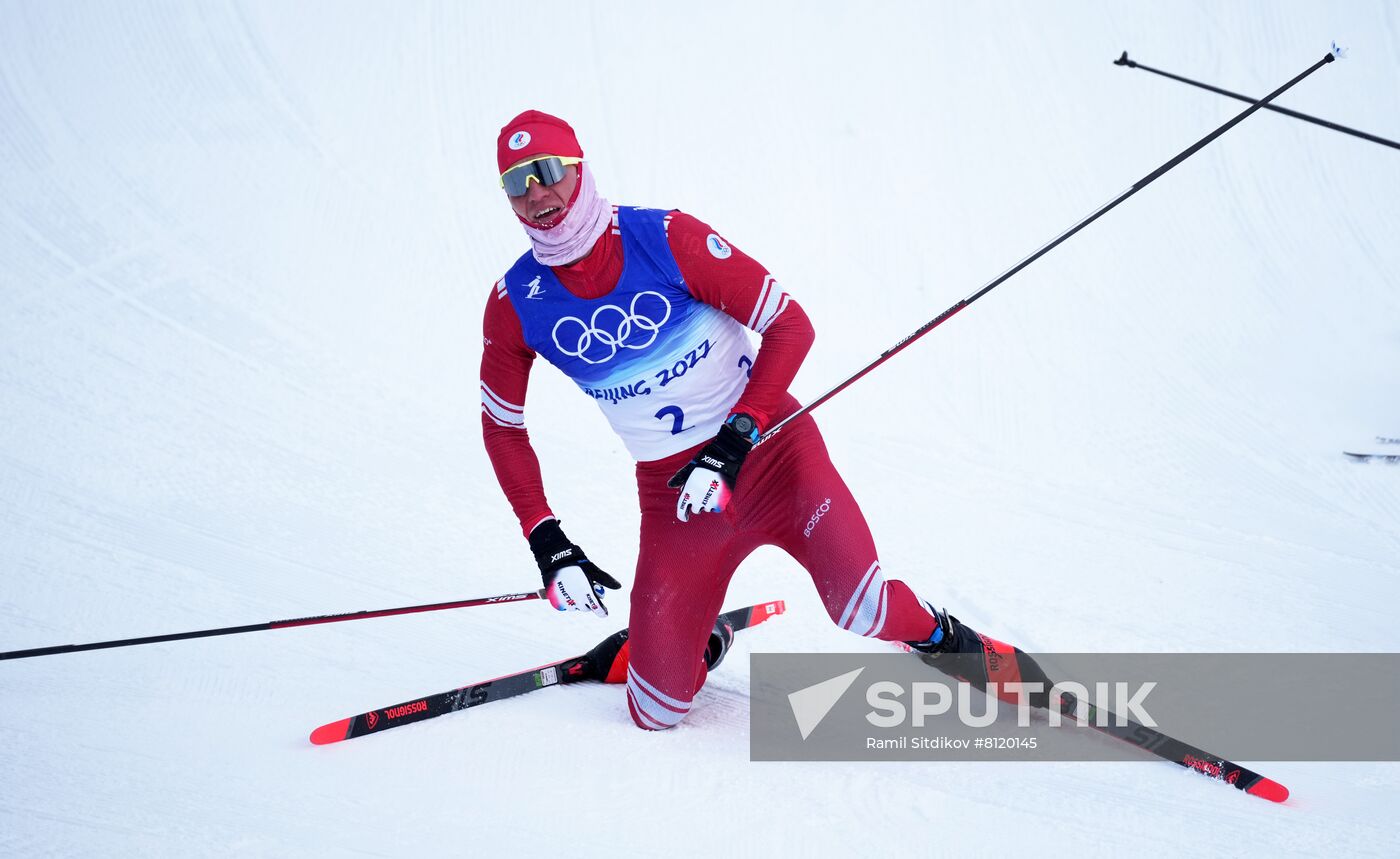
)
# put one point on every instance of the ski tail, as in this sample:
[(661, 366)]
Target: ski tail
[(743, 618)]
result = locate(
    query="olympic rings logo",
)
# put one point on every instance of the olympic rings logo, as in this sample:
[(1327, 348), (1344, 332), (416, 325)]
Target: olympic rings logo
[(611, 328)]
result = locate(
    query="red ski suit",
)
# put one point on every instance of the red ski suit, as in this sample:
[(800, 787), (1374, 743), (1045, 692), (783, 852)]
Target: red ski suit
[(788, 494)]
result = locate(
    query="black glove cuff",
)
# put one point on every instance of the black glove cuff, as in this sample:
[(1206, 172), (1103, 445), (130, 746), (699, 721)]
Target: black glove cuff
[(552, 549), (731, 444)]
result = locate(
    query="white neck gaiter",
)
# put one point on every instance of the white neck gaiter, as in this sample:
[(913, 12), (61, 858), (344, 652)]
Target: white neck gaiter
[(572, 238)]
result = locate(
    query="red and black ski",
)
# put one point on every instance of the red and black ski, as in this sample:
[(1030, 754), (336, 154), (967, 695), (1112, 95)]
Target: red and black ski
[(1145, 738), (593, 665), (1183, 754)]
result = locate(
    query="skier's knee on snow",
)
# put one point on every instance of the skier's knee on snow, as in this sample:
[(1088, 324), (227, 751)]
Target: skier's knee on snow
[(653, 710)]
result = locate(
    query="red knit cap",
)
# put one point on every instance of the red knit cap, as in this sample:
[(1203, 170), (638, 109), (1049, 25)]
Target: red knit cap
[(535, 133)]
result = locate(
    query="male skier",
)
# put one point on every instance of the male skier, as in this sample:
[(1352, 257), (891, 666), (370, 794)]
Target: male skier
[(646, 311)]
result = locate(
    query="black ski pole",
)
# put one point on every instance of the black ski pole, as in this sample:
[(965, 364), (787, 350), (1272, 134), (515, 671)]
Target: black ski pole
[(272, 624), (1134, 64), (1048, 246)]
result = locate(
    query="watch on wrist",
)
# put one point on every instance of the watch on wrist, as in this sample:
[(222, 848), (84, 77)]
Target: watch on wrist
[(744, 425)]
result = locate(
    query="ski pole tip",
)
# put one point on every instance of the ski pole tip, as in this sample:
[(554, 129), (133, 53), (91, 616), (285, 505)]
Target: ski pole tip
[(1124, 61), (1337, 52)]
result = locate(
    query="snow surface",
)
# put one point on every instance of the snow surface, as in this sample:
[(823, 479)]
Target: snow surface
[(244, 250)]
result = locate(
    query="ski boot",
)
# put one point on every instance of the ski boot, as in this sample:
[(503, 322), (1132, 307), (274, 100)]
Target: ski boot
[(612, 656), (720, 638), (965, 654)]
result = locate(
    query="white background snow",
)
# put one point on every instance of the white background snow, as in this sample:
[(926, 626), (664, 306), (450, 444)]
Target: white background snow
[(244, 251)]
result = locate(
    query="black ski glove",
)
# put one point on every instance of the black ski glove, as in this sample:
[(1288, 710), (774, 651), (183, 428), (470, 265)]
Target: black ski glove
[(707, 482), (571, 581)]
